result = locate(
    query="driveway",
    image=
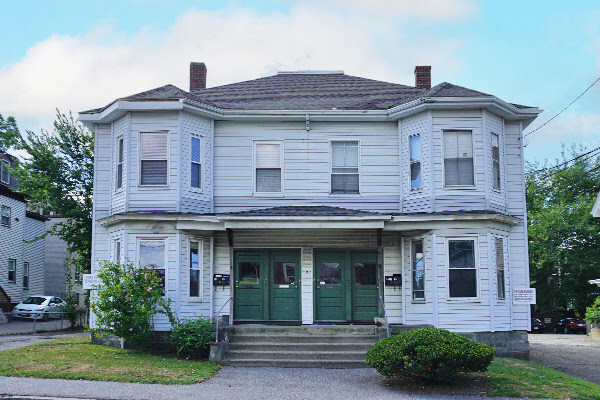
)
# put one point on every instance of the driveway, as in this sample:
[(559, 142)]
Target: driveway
[(18, 326), (570, 353), (8, 342)]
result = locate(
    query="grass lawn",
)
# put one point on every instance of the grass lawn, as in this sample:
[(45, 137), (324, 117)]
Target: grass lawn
[(77, 358), (507, 377)]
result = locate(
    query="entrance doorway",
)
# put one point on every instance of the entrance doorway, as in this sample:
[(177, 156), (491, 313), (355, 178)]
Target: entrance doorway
[(267, 285), (346, 287)]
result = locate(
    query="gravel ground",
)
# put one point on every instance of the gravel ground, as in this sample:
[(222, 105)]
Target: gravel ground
[(230, 383), (570, 353)]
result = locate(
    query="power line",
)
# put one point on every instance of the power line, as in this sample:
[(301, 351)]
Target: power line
[(572, 159), (570, 104)]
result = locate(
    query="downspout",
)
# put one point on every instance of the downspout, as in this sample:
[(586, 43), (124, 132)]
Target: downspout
[(231, 274), (380, 269), (211, 267)]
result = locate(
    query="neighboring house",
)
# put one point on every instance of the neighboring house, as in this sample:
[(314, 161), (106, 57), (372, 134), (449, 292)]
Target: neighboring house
[(596, 208), (21, 263), (319, 193)]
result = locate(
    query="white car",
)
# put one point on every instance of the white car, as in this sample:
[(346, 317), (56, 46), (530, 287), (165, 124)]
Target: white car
[(40, 307)]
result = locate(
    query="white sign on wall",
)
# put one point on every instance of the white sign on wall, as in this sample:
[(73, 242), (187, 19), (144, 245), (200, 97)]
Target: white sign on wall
[(524, 296), (91, 281)]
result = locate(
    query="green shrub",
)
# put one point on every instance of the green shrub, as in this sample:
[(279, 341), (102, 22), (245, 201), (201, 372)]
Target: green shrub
[(429, 353), (592, 313), (191, 338)]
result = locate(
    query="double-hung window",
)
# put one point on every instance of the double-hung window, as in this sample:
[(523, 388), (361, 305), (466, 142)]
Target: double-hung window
[(195, 162), (418, 270), (4, 174), (119, 169), (344, 167), (154, 159), (5, 216), (117, 253), (500, 279), (495, 161), (268, 163), (152, 255), (414, 144), (195, 269), (462, 271), (12, 270), (25, 275), (458, 158)]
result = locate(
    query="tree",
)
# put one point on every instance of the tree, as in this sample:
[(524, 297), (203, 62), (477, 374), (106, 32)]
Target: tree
[(57, 174), (9, 133), (564, 238)]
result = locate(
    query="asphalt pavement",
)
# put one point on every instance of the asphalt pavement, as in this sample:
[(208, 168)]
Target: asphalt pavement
[(22, 326)]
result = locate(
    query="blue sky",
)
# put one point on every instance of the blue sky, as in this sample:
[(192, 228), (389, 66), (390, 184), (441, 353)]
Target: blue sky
[(80, 55)]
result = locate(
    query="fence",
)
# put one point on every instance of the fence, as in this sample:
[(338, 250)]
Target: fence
[(35, 321)]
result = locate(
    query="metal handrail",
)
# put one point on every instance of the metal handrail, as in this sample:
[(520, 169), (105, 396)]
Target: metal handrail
[(387, 327), (217, 319)]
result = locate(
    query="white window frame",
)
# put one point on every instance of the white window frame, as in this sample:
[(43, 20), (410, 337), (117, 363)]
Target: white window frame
[(420, 188), (359, 144), (201, 163), (499, 239), (475, 241), (120, 141), (163, 239), (25, 275), (412, 270), (151, 187), (13, 262), (494, 187), (3, 210), (281, 165), (200, 269), (4, 165), (459, 187), (117, 250)]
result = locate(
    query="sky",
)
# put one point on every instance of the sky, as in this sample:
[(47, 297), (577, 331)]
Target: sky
[(74, 55)]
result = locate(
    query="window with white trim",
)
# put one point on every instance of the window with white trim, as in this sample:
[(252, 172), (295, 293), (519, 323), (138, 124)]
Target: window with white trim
[(152, 255), (495, 161), (418, 269), (462, 271), (195, 162), (5, 216), (458, 158), (4, 174), (268, 163), (500, 277), (25, 275), (414, 144), (119, 169), (195, 269), (154, 160), (344, 167), (12, 270), (117, 253)]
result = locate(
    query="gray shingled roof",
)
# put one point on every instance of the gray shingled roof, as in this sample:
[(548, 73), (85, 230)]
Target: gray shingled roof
[(302, 211), (306, 91)]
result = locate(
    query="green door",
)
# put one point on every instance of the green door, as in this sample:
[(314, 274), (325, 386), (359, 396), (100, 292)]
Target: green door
[(267, 285), (249, 288), (346, 287), (331, 282)]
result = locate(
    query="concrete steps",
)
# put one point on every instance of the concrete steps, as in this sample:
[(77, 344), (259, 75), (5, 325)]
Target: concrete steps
[(299, 347)]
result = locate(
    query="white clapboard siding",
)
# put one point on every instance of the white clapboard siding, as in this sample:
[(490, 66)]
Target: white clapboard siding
[(34, 255), (416, 200), (157, 197), (307, 241), (120, 130), (194, 200), (306, 165), (11, 247)]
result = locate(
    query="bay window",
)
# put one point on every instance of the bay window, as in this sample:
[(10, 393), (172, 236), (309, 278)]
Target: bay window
[(458, 158), (152, 255), (154, 159)]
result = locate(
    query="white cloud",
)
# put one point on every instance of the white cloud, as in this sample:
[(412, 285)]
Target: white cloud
[(88, 71)]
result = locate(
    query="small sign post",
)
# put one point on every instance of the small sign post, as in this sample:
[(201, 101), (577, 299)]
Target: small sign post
[(91, 281), (524, 296)]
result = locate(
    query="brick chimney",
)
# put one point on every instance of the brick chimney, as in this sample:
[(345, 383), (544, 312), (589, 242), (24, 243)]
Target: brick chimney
[(197, 76), (423, 76)]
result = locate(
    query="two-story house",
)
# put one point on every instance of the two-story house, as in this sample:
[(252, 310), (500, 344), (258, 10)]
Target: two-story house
[(326, 198)]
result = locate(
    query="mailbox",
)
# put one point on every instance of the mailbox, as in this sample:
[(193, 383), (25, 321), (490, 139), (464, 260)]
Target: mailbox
[(393, 280), (221, 280)]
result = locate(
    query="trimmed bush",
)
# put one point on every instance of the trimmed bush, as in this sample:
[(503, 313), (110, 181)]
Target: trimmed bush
[(191, 338), (429, 353)]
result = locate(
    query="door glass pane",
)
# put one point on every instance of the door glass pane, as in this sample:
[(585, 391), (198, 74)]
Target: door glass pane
[(284, 273), (365, 273), (249, 273), (330, 274)]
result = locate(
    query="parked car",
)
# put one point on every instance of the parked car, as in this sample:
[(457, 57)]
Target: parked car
[(537, 326), (570, 325), (39, 307)]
